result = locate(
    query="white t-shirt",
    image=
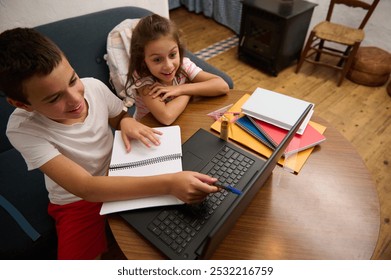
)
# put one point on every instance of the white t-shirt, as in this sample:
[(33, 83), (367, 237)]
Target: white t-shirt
[(89, 144), (189, 67)]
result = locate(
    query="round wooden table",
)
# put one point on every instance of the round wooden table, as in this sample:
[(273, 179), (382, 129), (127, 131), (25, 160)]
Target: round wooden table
[(330, 210)]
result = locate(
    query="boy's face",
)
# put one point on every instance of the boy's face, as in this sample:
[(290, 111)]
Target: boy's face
[(58, 96), (162, 59)]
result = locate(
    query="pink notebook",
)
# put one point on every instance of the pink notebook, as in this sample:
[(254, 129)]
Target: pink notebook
[(310, 137)]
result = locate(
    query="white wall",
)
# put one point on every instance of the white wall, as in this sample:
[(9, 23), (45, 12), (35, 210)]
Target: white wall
[(30, 13)]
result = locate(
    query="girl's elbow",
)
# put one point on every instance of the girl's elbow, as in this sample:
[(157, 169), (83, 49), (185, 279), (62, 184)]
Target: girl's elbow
[(166, 119), (224, 88)]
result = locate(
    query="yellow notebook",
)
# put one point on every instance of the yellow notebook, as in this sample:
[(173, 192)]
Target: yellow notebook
[(294, 162)]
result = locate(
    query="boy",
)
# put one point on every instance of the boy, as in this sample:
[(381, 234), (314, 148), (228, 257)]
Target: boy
[(61, 126)]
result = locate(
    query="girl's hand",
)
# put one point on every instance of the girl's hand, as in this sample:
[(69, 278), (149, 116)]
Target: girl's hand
[(165, 93), (192, 187), (132, 129)]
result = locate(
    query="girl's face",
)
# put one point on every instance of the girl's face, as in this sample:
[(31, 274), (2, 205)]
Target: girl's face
[(58, 96), (162, 59)]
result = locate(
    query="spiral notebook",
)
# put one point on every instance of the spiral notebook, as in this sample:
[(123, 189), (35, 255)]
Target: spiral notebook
[(144, 161), (310, 137), (246, 124)]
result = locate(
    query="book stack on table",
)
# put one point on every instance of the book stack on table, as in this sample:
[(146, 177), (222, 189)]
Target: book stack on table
[(266, 117)]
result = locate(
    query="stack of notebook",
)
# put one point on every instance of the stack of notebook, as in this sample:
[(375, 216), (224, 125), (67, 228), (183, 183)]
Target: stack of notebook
[(265, 118)]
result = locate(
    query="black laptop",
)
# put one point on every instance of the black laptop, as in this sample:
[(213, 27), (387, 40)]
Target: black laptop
[(195, 231)]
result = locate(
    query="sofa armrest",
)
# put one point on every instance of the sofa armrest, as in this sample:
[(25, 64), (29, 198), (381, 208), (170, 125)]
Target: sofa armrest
[(24, 190), (209, 68)]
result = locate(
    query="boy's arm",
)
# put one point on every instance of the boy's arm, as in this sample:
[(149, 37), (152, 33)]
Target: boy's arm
[(190, 187), (115, 122)]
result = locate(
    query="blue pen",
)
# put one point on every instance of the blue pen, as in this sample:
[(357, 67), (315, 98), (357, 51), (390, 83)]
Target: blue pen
[(230, 189)]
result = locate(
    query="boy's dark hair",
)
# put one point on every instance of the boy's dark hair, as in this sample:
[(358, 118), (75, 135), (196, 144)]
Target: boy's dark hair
[(148, 29), (24, 53)]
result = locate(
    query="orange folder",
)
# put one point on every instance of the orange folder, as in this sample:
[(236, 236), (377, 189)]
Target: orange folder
[(294, 162)]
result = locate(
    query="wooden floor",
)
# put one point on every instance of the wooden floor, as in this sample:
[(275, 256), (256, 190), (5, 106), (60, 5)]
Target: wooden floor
[(362, 114)]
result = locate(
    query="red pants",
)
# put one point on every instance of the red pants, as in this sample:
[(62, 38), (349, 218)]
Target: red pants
[(80, 230)]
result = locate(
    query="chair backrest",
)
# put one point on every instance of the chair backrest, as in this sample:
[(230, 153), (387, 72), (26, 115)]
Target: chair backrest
[(354, 4)]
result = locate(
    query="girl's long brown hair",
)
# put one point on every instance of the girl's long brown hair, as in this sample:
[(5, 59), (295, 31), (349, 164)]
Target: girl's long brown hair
[(148, 29)]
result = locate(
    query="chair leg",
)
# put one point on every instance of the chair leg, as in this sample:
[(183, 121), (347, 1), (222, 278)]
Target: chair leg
[(346, 53), (305, 51), (320, 48), (348, 62)]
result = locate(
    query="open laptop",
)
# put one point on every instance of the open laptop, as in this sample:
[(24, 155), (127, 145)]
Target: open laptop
[(195, 231)]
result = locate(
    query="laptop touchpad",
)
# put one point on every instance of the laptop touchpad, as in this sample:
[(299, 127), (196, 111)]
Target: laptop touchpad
[(190, 161)]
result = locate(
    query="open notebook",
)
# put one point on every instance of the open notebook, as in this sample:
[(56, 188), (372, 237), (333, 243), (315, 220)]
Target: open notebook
[(144, 161)]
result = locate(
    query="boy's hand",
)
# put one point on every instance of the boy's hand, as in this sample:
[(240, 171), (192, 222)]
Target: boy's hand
[(192, 187), (132, 129)]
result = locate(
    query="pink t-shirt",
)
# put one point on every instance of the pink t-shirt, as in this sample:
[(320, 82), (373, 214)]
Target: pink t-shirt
[(189, 67)]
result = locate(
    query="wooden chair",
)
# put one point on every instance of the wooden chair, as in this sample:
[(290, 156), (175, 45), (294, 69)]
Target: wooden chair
[(336, 40)]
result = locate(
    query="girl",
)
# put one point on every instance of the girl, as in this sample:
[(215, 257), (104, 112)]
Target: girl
[(160, 77)]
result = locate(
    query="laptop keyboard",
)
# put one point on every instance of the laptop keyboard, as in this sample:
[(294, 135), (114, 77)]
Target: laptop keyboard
[(177, 228), (228, 166)]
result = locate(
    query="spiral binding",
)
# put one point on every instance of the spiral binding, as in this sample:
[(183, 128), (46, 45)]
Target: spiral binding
[(129, 165), (242, 126)]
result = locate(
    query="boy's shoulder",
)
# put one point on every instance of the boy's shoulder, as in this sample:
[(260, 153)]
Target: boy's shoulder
[(94, 84), (91, 80)]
